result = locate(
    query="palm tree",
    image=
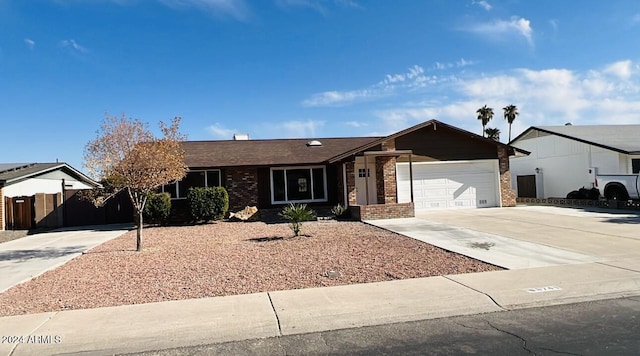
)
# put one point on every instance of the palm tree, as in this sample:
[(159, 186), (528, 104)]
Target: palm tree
[(485, 114), (510, 113), (492, 133)]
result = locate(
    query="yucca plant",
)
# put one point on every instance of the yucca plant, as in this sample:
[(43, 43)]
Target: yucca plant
[(296, 214), (339, 211)]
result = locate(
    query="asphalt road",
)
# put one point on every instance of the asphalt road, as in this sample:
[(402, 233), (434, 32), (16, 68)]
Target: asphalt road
[(609, 327)]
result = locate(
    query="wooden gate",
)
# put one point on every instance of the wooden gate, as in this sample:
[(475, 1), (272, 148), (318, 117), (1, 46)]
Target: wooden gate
[(526, 186), (20, 212)]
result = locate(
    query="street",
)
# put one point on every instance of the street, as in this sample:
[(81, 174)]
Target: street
[(608, 327)]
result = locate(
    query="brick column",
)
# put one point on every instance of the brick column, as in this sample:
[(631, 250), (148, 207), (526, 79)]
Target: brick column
[(242, 186), (386, 180), (351, 182), (507, 194), (1, 209), (389, 145)]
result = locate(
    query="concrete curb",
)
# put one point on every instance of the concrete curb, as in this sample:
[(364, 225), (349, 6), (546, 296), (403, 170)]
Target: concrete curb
[(156, 326)]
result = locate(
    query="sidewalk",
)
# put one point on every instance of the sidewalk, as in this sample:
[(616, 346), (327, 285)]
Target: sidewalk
[(593, 260), (154, 326)]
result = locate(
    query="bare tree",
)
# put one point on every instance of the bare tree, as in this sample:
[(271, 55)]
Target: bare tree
[(129, 157)]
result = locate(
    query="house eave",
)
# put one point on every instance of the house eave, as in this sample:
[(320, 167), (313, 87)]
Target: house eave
[(615, 149)]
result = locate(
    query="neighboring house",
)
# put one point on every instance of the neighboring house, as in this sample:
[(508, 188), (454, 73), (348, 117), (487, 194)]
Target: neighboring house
[(428, 166), (29, 179), (563, 158)]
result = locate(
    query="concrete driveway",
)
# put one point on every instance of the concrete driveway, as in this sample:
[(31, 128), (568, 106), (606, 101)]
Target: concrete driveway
[(30, 256), (530, 236)]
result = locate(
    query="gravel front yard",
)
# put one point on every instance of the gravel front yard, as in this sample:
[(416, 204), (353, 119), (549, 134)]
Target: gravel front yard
[(229, 258)]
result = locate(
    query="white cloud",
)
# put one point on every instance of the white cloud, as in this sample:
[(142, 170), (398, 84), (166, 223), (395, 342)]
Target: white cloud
[(483, 4), (356, 123), (336, 98), (234, 8), (219, 131), (73, 44), (320, 6), (501, 28), (544, 97), (461, 63), (30, 43), (307, 128), (621, 69), (412, 79)]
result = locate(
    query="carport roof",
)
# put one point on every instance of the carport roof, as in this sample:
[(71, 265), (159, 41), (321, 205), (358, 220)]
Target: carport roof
[(619, 138)]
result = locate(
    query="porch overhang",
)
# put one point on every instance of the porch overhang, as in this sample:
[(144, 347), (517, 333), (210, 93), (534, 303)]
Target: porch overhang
[(393, 153)]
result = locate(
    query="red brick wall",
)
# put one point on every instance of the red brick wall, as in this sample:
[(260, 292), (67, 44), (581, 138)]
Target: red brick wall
[(242, 185), (507, 194), (389, 145), (382, 211), (1, 209), (351, 182), (386, 180)]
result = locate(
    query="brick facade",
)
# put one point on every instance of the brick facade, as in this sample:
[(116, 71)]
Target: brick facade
[(389, 145), (1, 209), (242, 185), (508, 195), (382, 211), (351, 182), (386, 180)]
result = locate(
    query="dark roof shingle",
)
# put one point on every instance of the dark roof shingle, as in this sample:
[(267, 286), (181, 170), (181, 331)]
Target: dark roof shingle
[(267, 152)]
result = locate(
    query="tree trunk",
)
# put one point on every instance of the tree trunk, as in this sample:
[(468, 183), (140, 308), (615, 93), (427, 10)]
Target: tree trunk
[(509, 133), (139, 233)]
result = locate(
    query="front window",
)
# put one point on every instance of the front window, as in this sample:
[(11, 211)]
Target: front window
[(298, 184), (635, 165), (178, 190)]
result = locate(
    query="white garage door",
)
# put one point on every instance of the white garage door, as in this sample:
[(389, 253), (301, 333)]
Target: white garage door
[(440, 185)]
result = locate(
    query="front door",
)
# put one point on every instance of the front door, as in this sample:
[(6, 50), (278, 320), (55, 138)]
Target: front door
[(365, 180)]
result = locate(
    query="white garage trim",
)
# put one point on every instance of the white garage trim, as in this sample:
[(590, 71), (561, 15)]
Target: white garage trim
[(450, 184)]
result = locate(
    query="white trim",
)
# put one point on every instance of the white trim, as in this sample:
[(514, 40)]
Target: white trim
[(630, 159), (452, 162), (496, 168), (286, 193), (344, 185), (177, 183)]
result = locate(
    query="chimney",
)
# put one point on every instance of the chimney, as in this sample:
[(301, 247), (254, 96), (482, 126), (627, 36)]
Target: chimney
[(240, 137)]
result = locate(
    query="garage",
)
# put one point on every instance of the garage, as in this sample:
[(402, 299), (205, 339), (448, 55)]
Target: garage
[(449, 185)]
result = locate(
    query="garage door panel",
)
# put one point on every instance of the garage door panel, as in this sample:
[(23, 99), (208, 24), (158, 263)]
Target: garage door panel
[(449, 185)]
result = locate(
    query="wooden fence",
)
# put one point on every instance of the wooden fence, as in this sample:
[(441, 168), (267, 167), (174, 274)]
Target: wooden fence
[(51, 210)]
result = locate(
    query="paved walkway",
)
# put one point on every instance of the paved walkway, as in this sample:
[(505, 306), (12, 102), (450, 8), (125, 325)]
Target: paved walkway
[(30, 256), (154, 326)]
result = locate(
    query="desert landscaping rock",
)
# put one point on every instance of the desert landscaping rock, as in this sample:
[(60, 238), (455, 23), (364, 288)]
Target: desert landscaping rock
[(227, 258)]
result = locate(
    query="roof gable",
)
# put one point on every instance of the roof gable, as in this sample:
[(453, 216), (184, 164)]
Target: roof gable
[(436, 124), (619, 138), (15, 172)]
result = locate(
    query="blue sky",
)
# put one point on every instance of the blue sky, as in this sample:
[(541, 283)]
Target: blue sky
[(308, 68)]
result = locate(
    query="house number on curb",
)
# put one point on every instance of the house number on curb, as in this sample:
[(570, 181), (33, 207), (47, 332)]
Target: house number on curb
[(543, 289)]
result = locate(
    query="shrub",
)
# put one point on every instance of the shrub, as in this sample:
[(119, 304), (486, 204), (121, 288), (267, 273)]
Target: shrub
[(207, 204), (339, 211), (157, 208), (296, 214)]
